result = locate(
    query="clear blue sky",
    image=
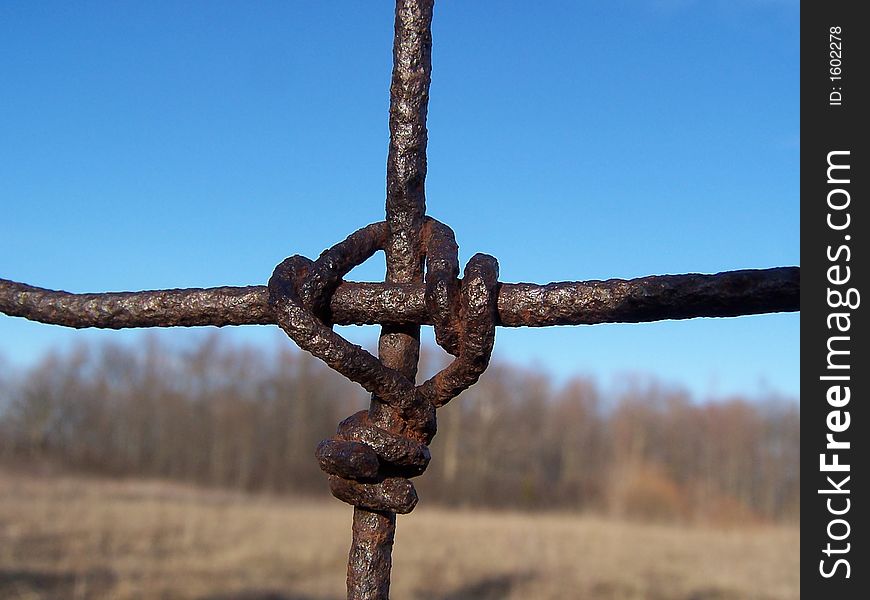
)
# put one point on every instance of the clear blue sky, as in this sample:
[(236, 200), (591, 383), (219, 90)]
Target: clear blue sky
[(177, 144)]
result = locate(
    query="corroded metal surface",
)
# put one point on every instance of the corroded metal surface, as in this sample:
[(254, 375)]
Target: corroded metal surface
[(347, 459), (393, 448), (120, 310), (375, 453), (389, 494), (652, 298), (370, 558)]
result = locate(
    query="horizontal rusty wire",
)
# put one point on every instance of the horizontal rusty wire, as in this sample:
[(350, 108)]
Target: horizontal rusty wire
[(652, 298)]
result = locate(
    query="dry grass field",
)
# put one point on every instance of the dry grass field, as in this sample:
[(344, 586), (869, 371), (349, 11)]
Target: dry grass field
[(77, 538)]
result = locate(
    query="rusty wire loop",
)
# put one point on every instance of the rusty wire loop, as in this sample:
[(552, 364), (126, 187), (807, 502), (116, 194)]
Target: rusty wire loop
[(369, 466)]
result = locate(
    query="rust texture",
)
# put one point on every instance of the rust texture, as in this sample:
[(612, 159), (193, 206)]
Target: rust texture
[(652, 298), (370, 559), (375, 453)]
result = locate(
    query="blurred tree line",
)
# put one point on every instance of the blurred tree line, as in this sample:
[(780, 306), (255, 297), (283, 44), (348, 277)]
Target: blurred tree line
[(222, 414)]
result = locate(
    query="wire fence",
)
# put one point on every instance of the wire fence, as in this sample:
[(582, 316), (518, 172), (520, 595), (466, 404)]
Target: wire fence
[(375, 453)]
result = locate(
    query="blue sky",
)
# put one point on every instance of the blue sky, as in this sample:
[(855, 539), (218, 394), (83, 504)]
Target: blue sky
[(178, 144)]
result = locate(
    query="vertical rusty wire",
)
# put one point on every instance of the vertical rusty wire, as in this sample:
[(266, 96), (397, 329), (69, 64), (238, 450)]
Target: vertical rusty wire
[(370, 559)]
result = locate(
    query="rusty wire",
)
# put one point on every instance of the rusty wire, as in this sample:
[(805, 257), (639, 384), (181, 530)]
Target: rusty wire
[(653, 298), (375, 453)]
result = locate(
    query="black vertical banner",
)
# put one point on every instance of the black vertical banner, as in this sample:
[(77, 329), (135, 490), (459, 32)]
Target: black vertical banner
[(834, 368)]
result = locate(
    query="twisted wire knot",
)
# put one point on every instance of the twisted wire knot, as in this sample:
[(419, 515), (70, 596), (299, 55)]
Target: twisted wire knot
[(368, 466)]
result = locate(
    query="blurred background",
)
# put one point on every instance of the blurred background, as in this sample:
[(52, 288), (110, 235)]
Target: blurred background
[(198, 144)]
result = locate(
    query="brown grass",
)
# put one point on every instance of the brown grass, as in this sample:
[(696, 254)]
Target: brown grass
[(76, 538)]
